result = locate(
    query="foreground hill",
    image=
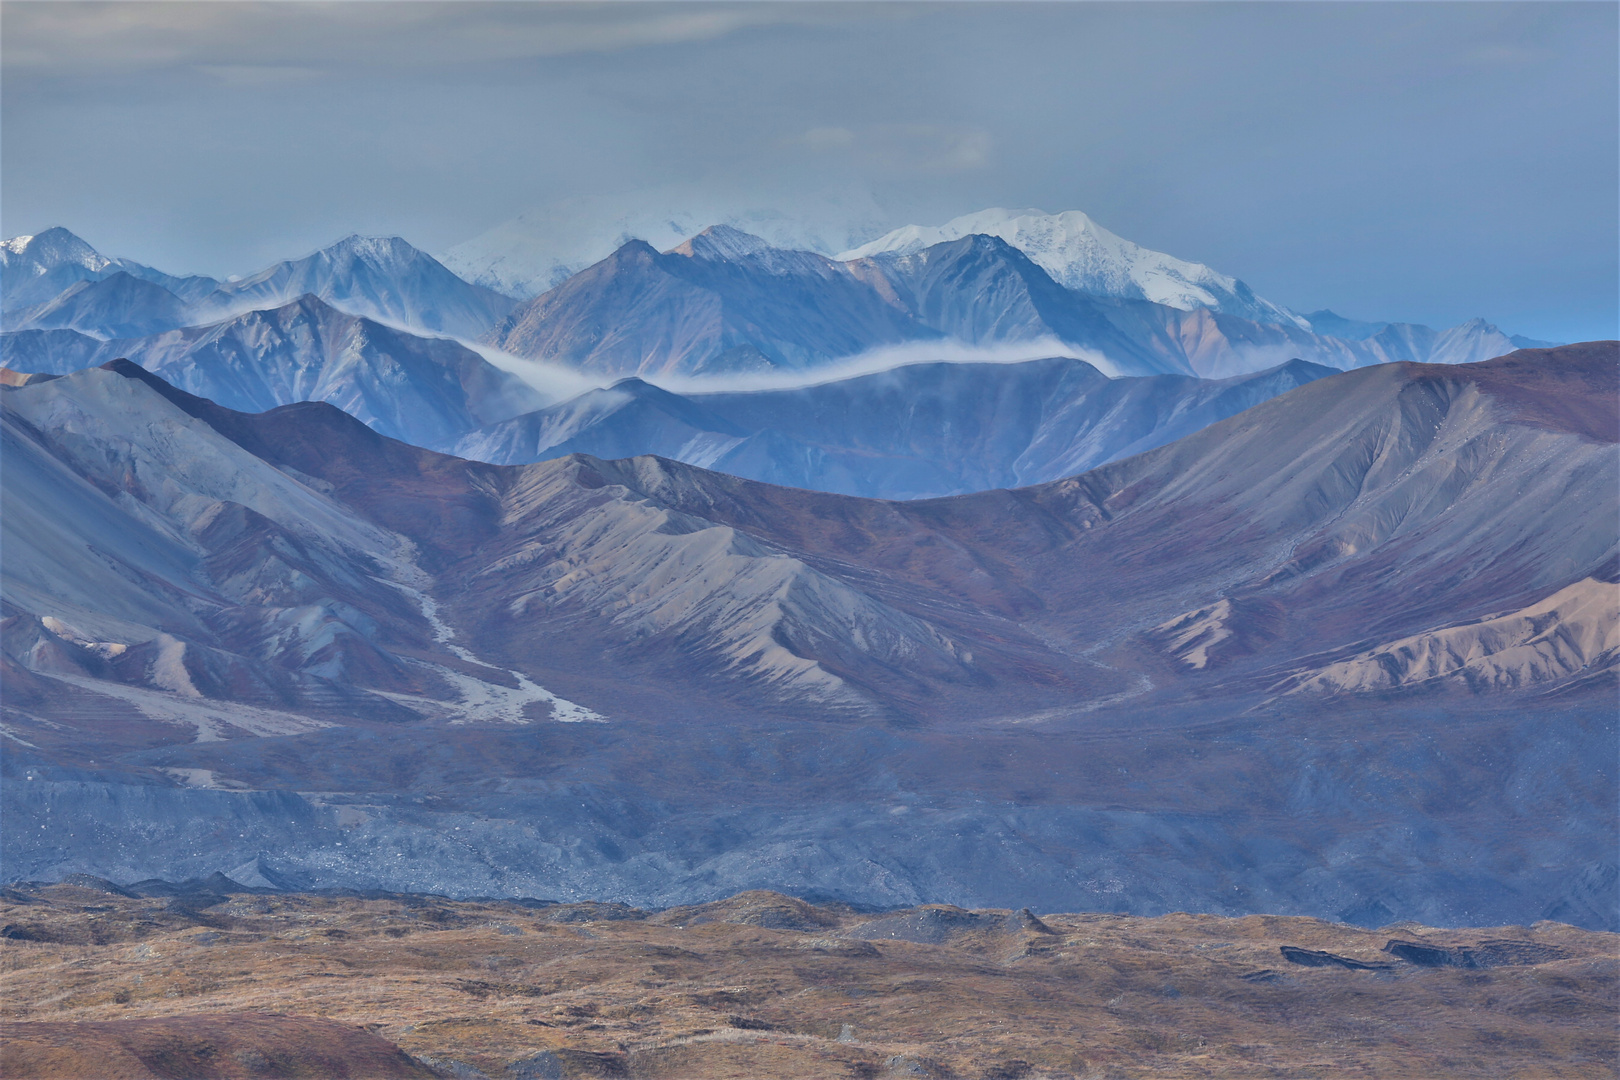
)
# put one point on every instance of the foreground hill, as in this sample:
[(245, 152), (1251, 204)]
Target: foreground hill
[(158, 978), (1148, 686)]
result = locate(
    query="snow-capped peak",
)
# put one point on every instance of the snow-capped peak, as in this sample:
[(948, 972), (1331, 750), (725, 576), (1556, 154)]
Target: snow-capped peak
[(389, 252), (54, 247), (1084, 256)]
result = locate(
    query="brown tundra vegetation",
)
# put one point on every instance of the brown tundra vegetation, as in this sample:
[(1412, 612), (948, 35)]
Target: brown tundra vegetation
[(211, 981)]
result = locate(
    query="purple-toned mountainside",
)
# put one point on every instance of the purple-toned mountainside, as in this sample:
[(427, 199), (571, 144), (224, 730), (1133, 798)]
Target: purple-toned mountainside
[(1236, 672)]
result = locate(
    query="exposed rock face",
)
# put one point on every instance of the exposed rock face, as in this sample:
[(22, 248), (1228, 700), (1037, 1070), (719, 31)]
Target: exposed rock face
[(1573, 631), (964, 699), (1485, 954), (1318, 958)]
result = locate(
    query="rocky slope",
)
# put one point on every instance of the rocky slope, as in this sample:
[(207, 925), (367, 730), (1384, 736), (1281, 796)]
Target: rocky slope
[(1094, 688)]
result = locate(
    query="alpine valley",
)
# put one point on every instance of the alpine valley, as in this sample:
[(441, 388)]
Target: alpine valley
[(1003, 563)]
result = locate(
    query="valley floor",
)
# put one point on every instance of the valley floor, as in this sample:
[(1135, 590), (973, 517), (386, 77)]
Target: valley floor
[(208, 981)]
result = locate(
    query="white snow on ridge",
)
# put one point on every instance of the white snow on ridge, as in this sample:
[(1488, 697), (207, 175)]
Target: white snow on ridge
[(40, 253), (1084, 256)]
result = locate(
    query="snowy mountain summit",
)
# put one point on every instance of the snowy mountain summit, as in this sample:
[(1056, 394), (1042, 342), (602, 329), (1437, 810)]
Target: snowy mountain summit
[(1084, 256), (38, 255)]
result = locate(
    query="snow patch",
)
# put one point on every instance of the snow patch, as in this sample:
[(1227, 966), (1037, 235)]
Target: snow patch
[(481, 701), (1084, 256)]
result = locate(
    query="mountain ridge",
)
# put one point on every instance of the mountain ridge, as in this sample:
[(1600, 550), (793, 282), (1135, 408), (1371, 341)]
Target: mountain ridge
[(425, 390), (382, 278), (915, 431), (1083, 256), (777, 669)]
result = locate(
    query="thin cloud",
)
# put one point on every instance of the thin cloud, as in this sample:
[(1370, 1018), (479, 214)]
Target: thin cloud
[(948, 351), (125, 37)]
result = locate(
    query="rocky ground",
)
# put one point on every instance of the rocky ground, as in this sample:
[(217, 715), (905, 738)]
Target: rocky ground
[(209, 980)]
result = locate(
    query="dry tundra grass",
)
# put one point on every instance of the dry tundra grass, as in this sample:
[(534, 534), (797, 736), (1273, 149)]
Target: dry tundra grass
[(763, 985)]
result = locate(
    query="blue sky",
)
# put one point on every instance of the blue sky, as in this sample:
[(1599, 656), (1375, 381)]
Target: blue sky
[(1425, 162)]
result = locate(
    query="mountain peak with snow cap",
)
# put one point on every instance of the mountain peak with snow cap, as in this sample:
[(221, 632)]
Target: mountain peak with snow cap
[(1084, 256), (44, 251)]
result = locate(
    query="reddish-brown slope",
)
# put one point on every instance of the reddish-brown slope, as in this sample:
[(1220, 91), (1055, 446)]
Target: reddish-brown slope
[(228, 1046)]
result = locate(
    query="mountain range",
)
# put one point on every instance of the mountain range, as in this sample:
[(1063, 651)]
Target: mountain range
[(56, 281), (725, 302), (643, 680), (728, 302), (425, 390), (967, 426), (1081, 255), (914, 431)]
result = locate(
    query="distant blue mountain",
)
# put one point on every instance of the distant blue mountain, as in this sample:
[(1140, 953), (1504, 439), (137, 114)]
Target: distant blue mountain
[(423, 390), (912, 432), (55, 280), (725, 301)]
